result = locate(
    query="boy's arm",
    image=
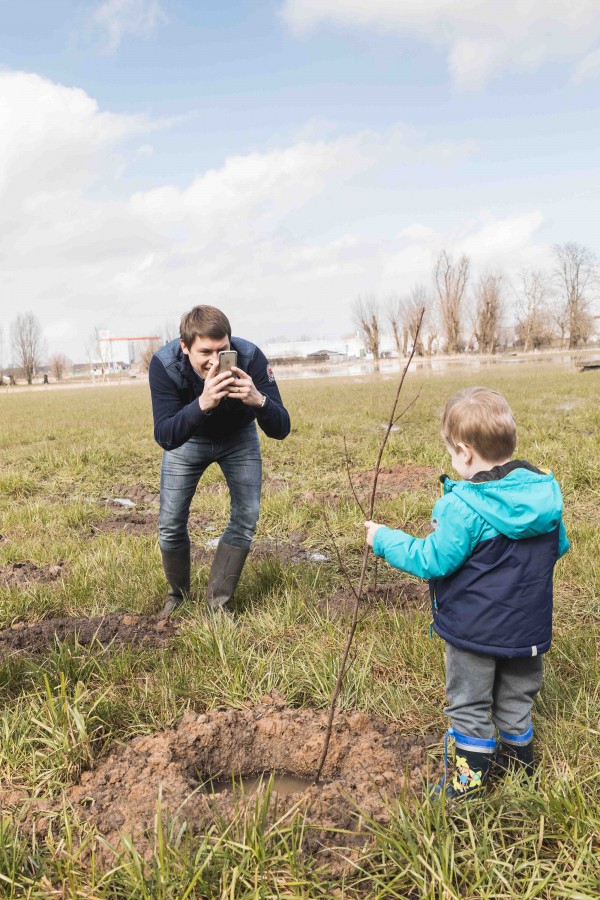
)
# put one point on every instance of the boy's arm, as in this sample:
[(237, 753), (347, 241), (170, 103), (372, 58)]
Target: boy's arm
[(457, 530)]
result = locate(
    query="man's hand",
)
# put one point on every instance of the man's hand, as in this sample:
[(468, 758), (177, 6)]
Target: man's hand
[(216, 387), (243, 389), (371, 529)]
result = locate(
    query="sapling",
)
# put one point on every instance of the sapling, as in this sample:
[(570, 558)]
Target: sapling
[(358, 591)]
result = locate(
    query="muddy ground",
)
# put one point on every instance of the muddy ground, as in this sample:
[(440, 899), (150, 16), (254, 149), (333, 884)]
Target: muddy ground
[(405, 596), (368, 764), (108, 630), (18, 574), (392, 480)]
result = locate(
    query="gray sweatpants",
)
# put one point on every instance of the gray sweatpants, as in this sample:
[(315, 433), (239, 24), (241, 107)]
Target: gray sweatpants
[(488, 692)]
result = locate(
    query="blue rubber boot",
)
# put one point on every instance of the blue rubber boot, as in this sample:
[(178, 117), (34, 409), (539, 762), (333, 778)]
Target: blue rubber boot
[(472, 760), (515, 751)]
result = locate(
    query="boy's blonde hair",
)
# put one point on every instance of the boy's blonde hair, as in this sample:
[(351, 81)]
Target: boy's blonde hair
[(483, 419)]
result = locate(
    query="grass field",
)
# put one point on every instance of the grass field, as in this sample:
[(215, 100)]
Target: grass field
[(63, 453)]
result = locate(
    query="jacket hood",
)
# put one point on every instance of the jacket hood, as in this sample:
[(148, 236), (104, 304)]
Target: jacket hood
[(522, 504)]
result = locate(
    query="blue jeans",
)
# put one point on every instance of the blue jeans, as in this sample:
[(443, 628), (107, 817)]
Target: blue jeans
[(240, 461)]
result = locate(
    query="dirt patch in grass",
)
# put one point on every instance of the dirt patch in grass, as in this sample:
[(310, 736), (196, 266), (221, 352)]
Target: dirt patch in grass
[(18, 574), (393, 479), (36, 637), (137, 493), (137, 522), (130, 521), (406, 596), (368, 763)]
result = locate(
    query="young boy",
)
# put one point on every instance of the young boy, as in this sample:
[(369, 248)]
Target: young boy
[(489, 560)]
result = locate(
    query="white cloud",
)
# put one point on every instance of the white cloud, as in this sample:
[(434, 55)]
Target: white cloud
[(118, 18), (588, 67), (282, 240), (481, 38)]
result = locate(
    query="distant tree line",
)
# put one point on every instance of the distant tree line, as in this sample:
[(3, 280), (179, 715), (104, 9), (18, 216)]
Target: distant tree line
[(549, 308)]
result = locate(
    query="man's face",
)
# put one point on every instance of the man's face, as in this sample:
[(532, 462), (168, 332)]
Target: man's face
[(204, 352)]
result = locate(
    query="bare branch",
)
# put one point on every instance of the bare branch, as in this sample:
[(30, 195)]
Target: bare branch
[(358, 503), (363, 569)]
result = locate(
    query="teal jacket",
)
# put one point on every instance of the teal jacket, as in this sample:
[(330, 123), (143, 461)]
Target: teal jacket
[(489, 559)]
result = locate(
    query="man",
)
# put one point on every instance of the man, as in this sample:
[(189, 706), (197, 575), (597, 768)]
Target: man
[(202, 416)]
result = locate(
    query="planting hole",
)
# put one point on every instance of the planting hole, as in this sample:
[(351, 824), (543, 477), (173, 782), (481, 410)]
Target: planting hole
[(248, 785)]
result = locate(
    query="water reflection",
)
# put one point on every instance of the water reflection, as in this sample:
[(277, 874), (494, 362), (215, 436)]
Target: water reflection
[(437, 365)]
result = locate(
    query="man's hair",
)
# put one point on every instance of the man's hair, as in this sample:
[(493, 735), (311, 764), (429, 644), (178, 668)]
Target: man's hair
[(483, 419), (203, 321)]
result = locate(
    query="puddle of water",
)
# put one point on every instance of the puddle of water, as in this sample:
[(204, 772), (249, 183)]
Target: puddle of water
[(248, 785)]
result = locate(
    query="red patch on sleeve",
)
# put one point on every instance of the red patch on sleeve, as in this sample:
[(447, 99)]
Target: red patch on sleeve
[(270, 374)]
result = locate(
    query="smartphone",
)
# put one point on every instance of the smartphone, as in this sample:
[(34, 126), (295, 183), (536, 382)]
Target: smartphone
[(227, 359)]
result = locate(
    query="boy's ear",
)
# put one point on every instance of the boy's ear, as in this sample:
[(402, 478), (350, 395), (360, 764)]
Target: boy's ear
[(467, 451)]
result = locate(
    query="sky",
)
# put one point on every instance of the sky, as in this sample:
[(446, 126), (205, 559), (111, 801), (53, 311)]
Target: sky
[(279, 158)]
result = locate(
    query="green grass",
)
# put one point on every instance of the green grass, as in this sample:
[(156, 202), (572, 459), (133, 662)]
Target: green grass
[(63, 451)]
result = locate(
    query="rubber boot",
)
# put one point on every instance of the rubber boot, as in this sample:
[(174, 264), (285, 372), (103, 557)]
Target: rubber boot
[(515, 751), (472, 761), (176, 564), (224, 575)]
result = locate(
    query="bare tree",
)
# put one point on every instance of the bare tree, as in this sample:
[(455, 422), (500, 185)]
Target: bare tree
[(60, 365), (147, 353), (417, 304), (488, 312), (576, 274), (451, 282), (396, 315), (27, 344), (365, 313), (99, 351), (534, 310)]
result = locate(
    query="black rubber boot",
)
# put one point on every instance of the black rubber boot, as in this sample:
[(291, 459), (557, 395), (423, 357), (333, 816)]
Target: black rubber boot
[(470, 774), (515, 751), (224, 575), (472, 761), (176, 564)]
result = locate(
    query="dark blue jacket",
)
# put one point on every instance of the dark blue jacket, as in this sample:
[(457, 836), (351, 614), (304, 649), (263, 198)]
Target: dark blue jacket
[(175, 387), (489, 559)]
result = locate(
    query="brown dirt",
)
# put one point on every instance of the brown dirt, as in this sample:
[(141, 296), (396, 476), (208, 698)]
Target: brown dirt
[(36, 637), (368, 763), (396, 478), (23, 573), (407, 596), (392, 480), (136, 522)]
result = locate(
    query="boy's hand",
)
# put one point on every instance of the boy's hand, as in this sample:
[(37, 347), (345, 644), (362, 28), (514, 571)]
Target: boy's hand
[(371, 529)]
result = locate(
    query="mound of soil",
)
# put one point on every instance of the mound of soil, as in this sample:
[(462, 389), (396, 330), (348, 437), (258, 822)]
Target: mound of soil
[(396, 478), (407, 596), (368, 763), (36, 637), (23, 573)]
